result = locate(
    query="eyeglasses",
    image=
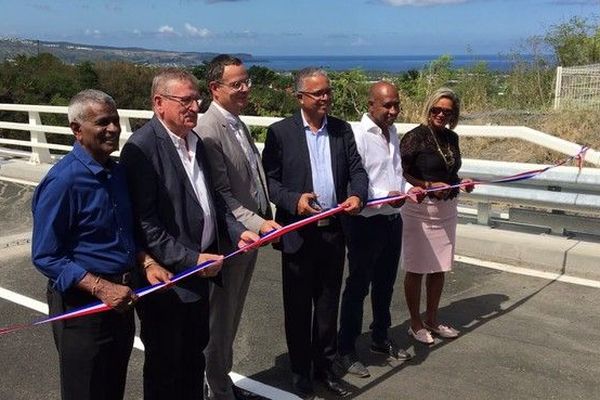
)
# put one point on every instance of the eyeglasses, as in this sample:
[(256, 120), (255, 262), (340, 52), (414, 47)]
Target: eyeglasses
[(319, 94), (238, 85), (185, 102), (446, 111)]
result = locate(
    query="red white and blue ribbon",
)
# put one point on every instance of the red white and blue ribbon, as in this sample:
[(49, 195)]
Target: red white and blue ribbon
[(99, 307)]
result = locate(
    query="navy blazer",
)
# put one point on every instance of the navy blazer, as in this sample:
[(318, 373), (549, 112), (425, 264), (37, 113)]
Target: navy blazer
[(287, 165), (169, 216)]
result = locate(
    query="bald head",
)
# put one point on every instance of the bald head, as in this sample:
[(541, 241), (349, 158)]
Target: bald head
[(384, 104), (381, 89)]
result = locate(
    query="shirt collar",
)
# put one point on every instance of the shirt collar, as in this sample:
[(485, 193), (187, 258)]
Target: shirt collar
[(179, 142), (232, 119), (369, 126), (306, 126), (86, 159)]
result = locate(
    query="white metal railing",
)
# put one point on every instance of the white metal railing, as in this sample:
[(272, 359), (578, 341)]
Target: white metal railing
[(578, 191), (40, 148)]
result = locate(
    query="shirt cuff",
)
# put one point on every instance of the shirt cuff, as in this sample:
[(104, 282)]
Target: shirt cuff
[(71, 274)]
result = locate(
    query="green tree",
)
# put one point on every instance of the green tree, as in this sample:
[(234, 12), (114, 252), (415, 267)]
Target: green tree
[(88, 78), (575, 42), (262, 75), (127, 83), (350, 90)]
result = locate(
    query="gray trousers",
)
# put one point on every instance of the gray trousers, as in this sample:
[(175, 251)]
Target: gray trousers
[(226, 305)]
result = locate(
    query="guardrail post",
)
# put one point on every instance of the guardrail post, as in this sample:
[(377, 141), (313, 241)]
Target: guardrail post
[(38, 154), (125, 131), (484, 211), (558, 88)]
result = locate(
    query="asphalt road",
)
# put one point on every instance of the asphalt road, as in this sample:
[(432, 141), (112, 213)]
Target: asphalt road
[(522, 337)]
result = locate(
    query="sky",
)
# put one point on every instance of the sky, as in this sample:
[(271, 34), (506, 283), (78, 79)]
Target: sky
[(295, 27)]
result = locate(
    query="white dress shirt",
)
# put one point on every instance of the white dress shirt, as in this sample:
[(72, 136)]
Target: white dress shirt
[(187, 154), (382, 162)]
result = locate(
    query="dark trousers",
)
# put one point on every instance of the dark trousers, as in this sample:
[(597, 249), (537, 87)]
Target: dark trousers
[(312, 279), (93, 351), (373, 254), (174, 335)]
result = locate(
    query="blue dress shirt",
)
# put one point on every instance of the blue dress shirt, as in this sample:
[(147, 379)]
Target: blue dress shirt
[(320, 164), (82, 220)]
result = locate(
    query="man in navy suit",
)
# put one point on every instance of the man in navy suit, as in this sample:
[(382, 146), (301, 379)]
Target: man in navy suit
[(312, 164), (179, 217)]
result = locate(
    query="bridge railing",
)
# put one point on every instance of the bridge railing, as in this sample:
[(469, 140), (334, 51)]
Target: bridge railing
[(564, 188)]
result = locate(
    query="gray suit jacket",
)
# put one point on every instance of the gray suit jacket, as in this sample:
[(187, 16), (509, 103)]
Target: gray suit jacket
[(232, 174)]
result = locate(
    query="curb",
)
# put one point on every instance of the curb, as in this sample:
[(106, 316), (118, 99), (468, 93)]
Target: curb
[(542, 252)]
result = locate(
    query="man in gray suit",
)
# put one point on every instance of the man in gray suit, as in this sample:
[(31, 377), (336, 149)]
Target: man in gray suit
[(238, 176)]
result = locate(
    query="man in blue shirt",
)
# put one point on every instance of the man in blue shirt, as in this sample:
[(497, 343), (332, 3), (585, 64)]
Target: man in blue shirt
[(311, 163), (83, 241)]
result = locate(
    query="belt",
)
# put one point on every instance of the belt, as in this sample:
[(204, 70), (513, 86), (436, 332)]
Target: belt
[(380, 217), (121, 279), (393, 217), (326, 222)]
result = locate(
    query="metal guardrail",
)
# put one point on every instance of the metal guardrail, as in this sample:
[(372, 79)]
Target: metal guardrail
[(563, 188)]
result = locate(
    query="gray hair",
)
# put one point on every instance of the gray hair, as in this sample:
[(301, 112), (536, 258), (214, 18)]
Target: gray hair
[(443, 93), (160, 82), (78, 106), (304, 73)]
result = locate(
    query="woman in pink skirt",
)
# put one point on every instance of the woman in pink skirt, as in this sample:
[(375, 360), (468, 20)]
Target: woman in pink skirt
[(430, 159)]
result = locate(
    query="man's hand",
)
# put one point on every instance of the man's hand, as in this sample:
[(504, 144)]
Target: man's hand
[(118, 297), (157, 274), (416, 194), (396, 203), (470, 185), (247, 238), (351, 205), (303, 208), (211, 270), (269, 226)]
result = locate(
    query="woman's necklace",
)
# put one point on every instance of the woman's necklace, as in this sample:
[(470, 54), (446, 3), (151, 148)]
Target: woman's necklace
[(447, 157)]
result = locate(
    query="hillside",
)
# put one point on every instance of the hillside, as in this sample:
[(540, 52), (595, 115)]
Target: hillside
[(74, 53)]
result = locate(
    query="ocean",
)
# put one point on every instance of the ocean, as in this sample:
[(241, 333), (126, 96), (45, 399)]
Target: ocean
[(391, 64)]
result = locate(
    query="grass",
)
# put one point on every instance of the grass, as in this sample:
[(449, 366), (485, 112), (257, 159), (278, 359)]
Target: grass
[(582, 127)]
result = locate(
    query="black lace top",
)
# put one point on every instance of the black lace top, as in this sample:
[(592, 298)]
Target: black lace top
[(423, 159)]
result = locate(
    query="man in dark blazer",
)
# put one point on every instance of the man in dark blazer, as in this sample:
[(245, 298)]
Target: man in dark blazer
[(179, 217), (312, 164), (238, 176)]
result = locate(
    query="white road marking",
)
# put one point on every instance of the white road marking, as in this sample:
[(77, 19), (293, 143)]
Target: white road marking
[(528, 272), (246, 383), (19, 181), (24, 301)]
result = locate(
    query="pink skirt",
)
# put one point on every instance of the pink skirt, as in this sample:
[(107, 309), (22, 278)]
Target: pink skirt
[(429, 235)]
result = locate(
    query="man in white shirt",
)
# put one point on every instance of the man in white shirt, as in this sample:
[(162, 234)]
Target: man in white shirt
[(180, 221), (238, 176), (374, 236)]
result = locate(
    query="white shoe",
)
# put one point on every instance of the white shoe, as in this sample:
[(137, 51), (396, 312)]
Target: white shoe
[(444, 331), (422, 335)]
